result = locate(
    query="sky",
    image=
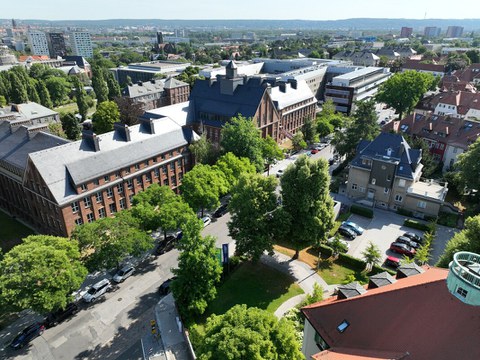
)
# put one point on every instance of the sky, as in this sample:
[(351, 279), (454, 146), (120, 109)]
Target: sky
[(239, 9)]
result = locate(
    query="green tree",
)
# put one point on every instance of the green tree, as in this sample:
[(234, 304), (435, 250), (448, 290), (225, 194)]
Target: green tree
[(232, 167), (58, 88), (298, 141), (113, 86), (70, 126), (41, 273), (468, 167), (32, 91), (203, 151), (57, 129), (363, 127), (251, 206), (106, 115), (105, 243), (198, 271), (271, 152), (81, 97), (423, 253), (18, 92), (44, 95), (242, 138), (306, 202), (371, 254), (130, 111), (457, 61), (202, 187), (474, 56), (309, 131), (404, 89), (324, 127), (99, 84), (247, 333), (3, 101)]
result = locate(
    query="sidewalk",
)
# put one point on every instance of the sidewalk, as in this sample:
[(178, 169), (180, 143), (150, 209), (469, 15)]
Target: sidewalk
[(304, 276)]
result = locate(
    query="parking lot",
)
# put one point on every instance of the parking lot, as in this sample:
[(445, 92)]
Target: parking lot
[(385, 227)]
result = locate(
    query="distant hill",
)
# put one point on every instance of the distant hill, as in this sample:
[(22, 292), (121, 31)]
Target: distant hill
[(346, 24)]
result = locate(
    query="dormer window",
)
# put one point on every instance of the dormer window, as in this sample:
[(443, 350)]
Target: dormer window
[(343, 326)]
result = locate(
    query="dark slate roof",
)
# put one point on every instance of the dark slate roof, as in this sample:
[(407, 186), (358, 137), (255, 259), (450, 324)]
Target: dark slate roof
[(206, 97), (351, 290), (405, 157), (380, 279), (172, 83), (80, 60), (410, 269)]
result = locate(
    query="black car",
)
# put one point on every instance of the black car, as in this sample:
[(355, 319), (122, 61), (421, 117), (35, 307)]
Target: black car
[(222, 210), (27, 335), (413, 237), (405, 240), (165, 246), (60, 315), (164, 289), (347, 232)]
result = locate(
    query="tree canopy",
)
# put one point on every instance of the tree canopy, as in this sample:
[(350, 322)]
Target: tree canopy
[(248, 333), (99, 84), (41, 273), (203, 151), (232, 167), (106, 115), (271, 151), (58, 88), (251, 206), (70, 126), (468, 167), (404, 90), (306, 202)]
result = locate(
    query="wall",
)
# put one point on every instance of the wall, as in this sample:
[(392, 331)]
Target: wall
[(309, 347)]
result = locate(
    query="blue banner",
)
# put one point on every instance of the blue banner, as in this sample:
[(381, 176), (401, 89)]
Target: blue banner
[(225, 253)]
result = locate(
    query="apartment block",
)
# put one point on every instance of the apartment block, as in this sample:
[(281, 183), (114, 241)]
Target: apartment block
[(38, 42), (81, 43)]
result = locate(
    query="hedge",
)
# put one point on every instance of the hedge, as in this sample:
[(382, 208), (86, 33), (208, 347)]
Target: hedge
[(404, 212), (361, 210), (351, 261), (416, 225)]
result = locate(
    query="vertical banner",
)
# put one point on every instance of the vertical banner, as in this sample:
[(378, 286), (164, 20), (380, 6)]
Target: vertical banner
[(225, 253)]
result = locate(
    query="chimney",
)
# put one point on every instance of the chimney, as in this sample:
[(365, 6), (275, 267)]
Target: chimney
[(282, 87), (122, 131), (91, 140), (293, 83), (140, 83), (153, 81), (147, 125)]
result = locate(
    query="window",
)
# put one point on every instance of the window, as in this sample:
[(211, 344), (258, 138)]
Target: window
[(170, 154), (398, 198), (172, 166), (106, 178), (401, 183), (96, 182), (386, 190), (127, 170), (343, 326), (354, 186), (374, 181), (99, 196), (75, 206), (454, 150), (389, 177), (84, 187), (462, 292), (101, 213), (156, 172), (113, 208), (179, 163), (165, 182), (130, 184), (422, 204), (148, 177), (321, 343), (78, 221), (146, 163), (139, 180), (154, 160), (120, 188), (87, 202), (361, 189), (109, 192), (90, 217), (164, 169), (173, 180), (117, 174), (122, 204), (137, 167)]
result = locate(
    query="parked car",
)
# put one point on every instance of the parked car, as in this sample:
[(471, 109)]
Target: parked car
[(27, 335), (279, 173), (402, 249), (356, 228), (206, 220), (123, 273), (331, 161), (347, 232), (60, 315), (222, 210), (97, 290), (164, 289), (414, 237), (343, 242), (165, 245), (405, 240), (314, 151), (392, 262)]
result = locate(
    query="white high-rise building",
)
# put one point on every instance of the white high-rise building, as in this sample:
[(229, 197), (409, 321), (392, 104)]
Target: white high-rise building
[(81, 43), (38, 42)]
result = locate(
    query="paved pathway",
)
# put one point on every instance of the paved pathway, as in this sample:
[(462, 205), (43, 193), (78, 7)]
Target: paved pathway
[(303, 274)]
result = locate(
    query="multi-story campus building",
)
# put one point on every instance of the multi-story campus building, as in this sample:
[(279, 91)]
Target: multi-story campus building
[(147, 70), (38, 42), (81, 43), (54, 185), (56, 42)]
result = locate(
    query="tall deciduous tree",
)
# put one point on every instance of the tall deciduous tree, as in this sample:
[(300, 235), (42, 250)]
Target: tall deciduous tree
[(363, 127), (232, 167), (70, 126), (59, 88), (242, 138), (81, 97), (18, 92), (32, 91), (106, 115), (203, 151), (468, 166), (202, 187), (99, 84), (129, 110), (309, 131), (271, 152), (41, 273), (306, 202), (44, 95), (113, 86), (198, 271), (404, 89), (247, 333), (251, 206), (106, 242), (298, 141)]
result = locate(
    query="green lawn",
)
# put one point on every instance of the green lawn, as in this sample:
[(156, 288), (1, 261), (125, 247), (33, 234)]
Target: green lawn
[(256, 285), (11, 232), (334, 273)]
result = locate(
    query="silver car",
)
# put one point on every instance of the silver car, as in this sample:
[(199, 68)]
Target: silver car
[(123, 273)]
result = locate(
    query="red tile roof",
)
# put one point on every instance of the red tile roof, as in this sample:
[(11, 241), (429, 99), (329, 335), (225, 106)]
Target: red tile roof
[(463, 100), (415, 315), (23, 58), (418, 65), (471, 73), (358, 354)]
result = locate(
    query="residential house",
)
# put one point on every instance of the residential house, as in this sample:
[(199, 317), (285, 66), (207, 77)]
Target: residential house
[(386, 173), (359, 58), (460, 104), (30, 115), (431, 314), (416, 65), (54, 185), (446, 136)]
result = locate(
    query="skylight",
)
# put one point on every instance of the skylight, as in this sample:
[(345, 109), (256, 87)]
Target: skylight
[(343, 326)]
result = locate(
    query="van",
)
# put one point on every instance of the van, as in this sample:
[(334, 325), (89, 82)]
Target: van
[(97, 290)]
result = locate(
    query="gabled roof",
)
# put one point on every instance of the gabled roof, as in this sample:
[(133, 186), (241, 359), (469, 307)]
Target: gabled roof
[(410, 269), (180, 113), (462, 100), (390, 148), (381, 279), (143, 88), (350, 290), (415, 315), (291, 96), (172, 83)]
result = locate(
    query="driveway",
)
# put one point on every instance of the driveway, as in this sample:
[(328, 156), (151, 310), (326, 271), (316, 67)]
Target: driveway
[(385, 227)]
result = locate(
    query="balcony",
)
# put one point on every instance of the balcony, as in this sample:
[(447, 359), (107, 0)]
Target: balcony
[(429, 189)]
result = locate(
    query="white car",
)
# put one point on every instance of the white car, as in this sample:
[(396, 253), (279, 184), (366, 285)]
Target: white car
[(97, 290), (345, 243), (206, 220), (123, 273)]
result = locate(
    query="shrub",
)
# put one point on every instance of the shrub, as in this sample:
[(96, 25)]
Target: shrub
[(361, 210), (325, 250), (447, 219), (351, 261), (404, 212), (417, 225)]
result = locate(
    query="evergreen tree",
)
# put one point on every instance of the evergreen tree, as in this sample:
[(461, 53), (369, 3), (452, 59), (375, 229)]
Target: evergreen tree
[(114, 90), (81, 97), (99, 84), (70, 126), (32, 91), (18, 92), (43, 94)]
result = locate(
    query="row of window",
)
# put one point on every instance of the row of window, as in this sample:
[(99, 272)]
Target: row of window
[(102, 213), (398, 197)]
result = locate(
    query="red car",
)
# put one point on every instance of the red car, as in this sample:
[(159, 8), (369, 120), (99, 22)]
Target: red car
[(314, 151), (402, 249), (392, 262)]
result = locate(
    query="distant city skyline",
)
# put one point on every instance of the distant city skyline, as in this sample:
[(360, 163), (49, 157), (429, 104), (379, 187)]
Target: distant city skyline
[(245, 9)]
